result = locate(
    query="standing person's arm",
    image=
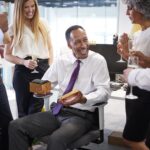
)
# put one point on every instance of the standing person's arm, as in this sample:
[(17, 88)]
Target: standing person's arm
[(16, 60), (3, 26), (138, 77)]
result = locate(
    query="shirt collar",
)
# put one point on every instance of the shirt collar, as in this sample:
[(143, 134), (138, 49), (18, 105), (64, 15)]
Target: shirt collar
[(73, 59)]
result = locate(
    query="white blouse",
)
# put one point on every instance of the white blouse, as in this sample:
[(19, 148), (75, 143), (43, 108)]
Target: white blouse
[(28, 46), (142, 41)]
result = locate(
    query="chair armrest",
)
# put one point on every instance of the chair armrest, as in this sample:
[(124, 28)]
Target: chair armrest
[(100, 107)]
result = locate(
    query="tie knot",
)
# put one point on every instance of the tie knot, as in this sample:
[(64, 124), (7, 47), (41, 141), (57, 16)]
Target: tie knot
[(78, 61)]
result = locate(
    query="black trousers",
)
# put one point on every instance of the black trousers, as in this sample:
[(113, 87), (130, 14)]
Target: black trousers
[(5, 117), (62, 130), (26, 103)]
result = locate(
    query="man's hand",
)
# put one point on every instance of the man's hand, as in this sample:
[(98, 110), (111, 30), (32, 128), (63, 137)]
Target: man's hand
[(3, 22), (78, 98)]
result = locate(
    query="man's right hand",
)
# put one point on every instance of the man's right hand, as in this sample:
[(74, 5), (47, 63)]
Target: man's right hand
[(3, 22)]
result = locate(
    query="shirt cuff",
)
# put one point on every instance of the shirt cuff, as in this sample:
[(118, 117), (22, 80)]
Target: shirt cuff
[(132, 77)]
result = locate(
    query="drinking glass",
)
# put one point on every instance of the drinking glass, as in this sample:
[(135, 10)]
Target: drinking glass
[(34, 58), (132, 63), (121, 59)]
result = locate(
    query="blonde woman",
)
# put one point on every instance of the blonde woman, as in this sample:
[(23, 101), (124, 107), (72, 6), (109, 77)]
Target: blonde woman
[(29, 38)]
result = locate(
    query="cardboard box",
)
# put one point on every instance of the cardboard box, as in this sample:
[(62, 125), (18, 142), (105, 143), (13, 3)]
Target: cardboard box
[(115, 138), (40, 87)]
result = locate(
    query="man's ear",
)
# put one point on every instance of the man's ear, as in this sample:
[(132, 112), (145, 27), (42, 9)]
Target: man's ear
[(69, 45)]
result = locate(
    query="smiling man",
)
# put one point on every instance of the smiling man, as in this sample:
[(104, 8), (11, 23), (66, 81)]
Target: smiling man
[(76, 116)]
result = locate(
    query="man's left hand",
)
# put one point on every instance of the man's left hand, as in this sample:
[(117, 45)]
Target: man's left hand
[(78, 98)]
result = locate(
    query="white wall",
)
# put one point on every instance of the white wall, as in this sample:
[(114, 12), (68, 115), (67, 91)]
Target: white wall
[(124, 24)]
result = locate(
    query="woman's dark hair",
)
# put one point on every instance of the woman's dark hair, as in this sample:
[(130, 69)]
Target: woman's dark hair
[(70, 29)]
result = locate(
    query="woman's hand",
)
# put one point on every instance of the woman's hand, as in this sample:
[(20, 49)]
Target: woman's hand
[(122, 46), (144, 61), (31, 64), (126, 74)]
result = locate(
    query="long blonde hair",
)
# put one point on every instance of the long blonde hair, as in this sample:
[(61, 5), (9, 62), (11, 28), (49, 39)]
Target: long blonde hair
[(19, 22)]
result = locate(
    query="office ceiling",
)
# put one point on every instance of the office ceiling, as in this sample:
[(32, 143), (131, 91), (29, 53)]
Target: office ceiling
[(73, 3)]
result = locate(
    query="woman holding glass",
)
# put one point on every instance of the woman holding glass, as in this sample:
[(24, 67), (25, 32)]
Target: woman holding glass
[(30, 38), (138, 110)]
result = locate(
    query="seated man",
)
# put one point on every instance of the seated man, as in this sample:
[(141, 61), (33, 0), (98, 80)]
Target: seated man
[(75, 118)]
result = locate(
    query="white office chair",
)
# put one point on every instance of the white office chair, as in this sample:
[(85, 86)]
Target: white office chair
[(96, 135)]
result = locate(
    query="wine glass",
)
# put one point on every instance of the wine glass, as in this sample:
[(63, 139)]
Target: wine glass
[(132, 63), (34, 58), (121, 59)]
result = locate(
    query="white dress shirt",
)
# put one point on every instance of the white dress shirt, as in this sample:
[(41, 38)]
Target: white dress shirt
[(1, 37), (93, 79), (140, 78)]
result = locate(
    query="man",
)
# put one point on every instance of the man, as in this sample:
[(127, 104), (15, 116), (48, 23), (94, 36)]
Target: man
[(76, 117), (5, 113)]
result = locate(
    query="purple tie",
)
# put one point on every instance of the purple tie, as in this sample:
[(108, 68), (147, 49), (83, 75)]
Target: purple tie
[(57, 107)]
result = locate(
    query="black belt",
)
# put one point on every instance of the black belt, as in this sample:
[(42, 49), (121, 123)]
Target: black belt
[(78, 112), (76, 109), (38, 59), (42, 65)]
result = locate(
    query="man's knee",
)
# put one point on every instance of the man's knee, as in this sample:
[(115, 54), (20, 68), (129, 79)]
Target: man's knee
[(14, 125)]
